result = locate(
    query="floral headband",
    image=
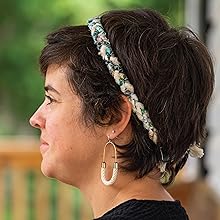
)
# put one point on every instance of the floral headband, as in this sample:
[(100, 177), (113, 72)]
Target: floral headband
[(115, 68)]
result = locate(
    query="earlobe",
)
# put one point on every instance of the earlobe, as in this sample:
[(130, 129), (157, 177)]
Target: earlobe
[(119, 127)]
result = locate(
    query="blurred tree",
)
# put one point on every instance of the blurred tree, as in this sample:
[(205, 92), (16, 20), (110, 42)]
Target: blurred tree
[(172, 9), (23, 27)]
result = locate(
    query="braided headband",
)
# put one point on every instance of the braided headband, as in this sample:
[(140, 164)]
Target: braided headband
[(115, 68)]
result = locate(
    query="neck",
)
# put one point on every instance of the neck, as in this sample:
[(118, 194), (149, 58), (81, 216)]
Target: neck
[(103, 198)]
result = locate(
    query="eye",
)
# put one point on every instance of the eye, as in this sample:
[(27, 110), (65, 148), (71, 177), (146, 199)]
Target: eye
[(51, 100)]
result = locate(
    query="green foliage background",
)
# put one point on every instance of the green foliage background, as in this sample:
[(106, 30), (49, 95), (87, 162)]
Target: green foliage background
[(23, 27)]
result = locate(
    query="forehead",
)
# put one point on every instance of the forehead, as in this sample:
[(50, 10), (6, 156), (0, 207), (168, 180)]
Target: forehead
[(56, 76)]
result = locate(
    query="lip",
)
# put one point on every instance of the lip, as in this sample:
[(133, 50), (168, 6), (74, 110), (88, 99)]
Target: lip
[(44, 146)]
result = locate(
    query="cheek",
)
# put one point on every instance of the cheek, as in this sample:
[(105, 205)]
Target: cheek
[(64, 132), (59, 134), (68, 136)]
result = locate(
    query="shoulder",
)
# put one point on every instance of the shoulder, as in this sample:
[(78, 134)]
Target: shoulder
[(147, 210)]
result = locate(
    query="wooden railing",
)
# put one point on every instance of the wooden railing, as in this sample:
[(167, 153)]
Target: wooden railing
[(25, 194)]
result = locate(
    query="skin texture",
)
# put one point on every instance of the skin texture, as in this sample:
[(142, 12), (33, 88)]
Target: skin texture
[(72, 152), (62, 131)]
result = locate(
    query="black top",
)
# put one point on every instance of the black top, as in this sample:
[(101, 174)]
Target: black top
[(146, 210)]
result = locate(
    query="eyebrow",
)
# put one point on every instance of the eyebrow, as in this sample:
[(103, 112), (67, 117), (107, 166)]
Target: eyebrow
[(50, 88)]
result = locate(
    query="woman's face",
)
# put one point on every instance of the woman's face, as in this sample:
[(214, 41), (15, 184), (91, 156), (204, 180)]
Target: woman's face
[(68, 147)]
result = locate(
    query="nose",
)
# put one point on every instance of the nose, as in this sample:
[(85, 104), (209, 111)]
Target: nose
[(37, 120)]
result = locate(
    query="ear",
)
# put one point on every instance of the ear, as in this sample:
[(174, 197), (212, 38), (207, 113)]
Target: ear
[(120, 126)]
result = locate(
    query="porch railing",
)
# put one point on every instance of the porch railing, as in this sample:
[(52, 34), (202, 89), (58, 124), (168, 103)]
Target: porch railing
[(25, 194)]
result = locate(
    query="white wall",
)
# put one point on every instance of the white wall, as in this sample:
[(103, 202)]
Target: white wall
[(213, 120), (214, 110)]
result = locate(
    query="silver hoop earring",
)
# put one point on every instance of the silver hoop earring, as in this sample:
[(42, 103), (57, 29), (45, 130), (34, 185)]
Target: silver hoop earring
[(115, 166)]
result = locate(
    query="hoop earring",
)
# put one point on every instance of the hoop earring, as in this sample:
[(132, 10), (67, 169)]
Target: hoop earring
[(115, 167)]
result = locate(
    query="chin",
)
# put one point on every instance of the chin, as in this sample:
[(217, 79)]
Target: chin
[(51, 171), (48, 170)]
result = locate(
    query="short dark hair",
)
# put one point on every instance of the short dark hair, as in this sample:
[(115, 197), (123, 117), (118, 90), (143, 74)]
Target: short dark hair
[(170, 69)]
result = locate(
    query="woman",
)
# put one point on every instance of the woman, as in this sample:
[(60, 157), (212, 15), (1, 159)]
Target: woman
[(125, 105)]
